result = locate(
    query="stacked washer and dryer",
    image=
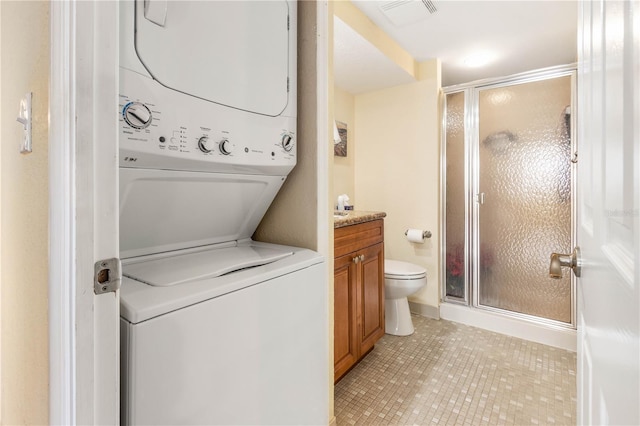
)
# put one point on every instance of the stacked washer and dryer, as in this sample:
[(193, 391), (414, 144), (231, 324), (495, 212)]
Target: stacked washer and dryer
[(215, 328)]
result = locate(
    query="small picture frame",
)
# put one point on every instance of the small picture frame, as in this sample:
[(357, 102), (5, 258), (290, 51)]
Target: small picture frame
[(340, 146)]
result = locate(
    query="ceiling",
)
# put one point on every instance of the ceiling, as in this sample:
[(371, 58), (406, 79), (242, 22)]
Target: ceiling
[(514, 36)]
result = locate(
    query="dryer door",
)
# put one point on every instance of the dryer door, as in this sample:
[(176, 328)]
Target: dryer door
[(234, 53)]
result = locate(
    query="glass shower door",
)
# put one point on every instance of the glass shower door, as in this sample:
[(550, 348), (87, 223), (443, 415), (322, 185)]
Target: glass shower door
[(455, 196), (523, 204)]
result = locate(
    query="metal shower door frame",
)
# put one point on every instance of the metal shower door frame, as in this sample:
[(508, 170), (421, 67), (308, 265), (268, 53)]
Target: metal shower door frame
[(472, 185)]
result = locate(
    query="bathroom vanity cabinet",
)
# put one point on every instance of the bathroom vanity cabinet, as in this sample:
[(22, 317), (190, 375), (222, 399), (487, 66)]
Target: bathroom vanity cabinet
[(358, 292)]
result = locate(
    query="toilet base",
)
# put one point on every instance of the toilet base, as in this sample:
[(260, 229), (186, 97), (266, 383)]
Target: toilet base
[(397, 320)]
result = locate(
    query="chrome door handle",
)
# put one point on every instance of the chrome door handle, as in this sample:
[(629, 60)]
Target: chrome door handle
[(559, 260)]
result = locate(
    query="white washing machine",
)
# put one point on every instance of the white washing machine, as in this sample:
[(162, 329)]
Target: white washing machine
[(215, 328)]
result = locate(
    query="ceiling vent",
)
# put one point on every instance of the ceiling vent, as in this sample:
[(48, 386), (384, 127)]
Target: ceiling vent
[(405, 12)]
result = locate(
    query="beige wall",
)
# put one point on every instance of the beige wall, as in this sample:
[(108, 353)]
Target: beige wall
[(24, 216), (397, 168), (396, 154), (344, 167)]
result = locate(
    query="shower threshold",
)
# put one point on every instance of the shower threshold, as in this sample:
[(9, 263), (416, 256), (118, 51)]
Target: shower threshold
[(556, 336)]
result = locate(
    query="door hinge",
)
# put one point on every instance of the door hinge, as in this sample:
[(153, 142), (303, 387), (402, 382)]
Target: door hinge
[(288, 23), (107, 276), (287, 84)]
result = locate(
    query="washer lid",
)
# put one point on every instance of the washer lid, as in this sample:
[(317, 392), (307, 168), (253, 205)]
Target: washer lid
[(165, 210), (397, 269), (233, 53), (181, 269)]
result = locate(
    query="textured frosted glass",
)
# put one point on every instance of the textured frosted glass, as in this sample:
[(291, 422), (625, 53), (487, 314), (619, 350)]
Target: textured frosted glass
[(455, 214), (525, 174)]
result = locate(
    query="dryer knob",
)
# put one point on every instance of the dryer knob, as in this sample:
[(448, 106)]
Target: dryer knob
[(287, 142), (225, 146), (137, 115), (204, 144)]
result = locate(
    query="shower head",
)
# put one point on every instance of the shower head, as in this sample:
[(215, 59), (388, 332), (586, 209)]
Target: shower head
[(499, 141)]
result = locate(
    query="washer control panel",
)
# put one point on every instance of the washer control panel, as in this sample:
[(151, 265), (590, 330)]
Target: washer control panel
[(162, 129)]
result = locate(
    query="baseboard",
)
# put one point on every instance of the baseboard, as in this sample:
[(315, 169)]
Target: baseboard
[(557, 337), (424, 310), (333, 421)]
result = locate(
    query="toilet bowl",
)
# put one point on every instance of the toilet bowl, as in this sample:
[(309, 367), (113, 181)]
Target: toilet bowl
[(401, 279)]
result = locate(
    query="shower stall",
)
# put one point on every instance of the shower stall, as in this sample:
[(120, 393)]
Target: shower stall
[(507, 190)]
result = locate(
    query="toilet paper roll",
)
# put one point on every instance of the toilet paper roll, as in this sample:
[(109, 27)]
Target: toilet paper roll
[(415, 236)]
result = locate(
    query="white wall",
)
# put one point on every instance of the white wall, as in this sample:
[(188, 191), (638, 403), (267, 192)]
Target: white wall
[(397, 169), (24, 215)]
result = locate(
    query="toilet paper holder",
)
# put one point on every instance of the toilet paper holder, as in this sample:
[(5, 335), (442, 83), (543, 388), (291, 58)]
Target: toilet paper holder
[(425, 234)]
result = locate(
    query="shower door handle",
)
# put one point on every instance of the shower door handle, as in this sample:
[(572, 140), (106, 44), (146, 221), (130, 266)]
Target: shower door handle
[(559, 260)]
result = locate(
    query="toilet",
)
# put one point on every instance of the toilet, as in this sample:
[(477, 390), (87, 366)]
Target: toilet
[(401, 279)]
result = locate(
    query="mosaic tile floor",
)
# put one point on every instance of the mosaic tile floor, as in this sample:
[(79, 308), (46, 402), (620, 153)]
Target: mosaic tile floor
[(452, 374)]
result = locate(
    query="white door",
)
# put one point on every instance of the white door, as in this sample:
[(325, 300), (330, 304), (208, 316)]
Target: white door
[(608, 212), (84, 339)]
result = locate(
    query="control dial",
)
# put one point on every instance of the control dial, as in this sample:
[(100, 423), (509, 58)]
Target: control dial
[(287, 142), (137, 115), (204, 144), (225, 147)]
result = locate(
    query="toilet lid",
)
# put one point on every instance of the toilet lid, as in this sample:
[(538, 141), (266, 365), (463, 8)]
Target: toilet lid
[(396, 269)]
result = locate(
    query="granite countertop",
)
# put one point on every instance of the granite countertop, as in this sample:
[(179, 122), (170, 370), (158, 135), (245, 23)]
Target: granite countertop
[(353, 217)]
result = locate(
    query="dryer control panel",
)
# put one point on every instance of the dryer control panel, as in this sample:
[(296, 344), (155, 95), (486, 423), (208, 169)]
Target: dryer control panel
[(161, 129)]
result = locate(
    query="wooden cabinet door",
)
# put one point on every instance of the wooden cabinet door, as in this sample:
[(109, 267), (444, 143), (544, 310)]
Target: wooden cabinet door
[(371, 296), (345, 346)]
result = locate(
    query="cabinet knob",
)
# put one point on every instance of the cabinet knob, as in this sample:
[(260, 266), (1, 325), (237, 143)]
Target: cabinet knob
[(361, 257), (356, 259)]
